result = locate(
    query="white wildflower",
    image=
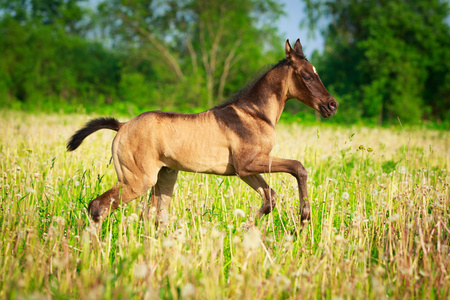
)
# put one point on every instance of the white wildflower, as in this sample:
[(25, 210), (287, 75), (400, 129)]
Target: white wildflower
[(188, 291), (132, 218), (168, 243), (215, 233), (394, 218), (339, 239), (401, 170), (59, 220), (283, 282), (140, 270), (239, 213), (252, 239)]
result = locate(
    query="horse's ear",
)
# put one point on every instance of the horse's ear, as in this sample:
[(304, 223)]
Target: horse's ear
[(298, 47), (290, 53), (288, 49)]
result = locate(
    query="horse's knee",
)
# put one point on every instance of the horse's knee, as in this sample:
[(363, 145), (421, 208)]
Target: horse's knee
[(302, 173)]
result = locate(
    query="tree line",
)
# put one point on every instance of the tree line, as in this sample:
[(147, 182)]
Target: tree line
[(382, 59)]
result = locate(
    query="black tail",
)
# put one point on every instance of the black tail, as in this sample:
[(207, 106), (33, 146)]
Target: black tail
[(91, 127)]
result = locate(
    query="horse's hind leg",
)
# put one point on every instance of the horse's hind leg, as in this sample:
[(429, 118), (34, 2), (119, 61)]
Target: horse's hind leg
[(162, 194), (123, 193), (268, 195)]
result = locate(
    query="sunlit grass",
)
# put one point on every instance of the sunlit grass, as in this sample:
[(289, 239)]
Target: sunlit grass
[(380, 220)]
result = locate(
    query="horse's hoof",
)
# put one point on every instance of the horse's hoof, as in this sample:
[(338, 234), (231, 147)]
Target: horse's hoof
[(306, 215)]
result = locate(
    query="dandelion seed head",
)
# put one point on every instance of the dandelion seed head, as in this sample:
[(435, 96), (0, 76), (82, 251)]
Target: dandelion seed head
[(59, 220), (132, 218), (90, 229), (339, 239), (283, 281), (345, 195), (394, 218), (140, 270), (215, 233), (252, 239), (401, 170), (168, 243), (239, 213), (188, 291)]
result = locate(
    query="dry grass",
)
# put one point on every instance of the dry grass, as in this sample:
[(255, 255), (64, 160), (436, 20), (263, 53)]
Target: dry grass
[(380, 221)]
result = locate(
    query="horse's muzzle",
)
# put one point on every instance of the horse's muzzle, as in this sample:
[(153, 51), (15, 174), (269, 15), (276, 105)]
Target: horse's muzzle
[(329, 108), (333, 105)]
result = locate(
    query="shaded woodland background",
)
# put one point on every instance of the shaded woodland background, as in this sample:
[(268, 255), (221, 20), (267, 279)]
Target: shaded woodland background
[(383, 59)]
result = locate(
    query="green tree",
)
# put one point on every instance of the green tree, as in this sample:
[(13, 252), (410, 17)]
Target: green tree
[(386, 58), (64, 15), (40, 65), (195, 46)]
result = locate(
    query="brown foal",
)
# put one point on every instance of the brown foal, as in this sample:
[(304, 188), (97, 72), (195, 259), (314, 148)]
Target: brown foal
[(235, 138)]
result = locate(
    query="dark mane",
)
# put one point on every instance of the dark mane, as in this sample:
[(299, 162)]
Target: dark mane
[(255, 78)]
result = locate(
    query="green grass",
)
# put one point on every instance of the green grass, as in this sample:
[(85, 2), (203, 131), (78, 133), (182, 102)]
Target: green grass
[(380, 220)]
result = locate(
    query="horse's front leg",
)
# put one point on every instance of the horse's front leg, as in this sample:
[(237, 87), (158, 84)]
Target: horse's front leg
[(268, 195), (162, 194), (267, 164)]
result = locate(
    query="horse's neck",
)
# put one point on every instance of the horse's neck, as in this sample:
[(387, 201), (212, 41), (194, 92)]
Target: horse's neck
[(267, 97)]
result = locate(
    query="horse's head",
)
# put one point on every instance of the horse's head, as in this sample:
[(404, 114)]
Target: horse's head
[(304, 83)]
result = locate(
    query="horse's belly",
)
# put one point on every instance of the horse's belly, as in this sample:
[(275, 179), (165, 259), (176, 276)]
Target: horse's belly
[(211, 160)]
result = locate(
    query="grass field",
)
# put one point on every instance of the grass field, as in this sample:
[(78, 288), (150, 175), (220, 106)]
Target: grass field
[(380, 220)]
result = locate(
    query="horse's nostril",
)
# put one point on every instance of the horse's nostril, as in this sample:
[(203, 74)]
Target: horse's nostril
[(332, 105)]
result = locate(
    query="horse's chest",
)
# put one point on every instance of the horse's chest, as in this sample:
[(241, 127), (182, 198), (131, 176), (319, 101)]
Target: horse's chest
[(261, 142)]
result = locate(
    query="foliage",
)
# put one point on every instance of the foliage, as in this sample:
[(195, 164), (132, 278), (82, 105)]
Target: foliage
[(380, 220), (137, 55), (199, 44), (183, 54), (386, 58), (41, 67)]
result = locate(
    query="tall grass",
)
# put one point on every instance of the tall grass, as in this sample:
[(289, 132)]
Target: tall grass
[(379, 229)]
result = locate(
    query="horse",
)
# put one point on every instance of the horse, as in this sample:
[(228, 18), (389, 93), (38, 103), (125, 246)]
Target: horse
[(232, 139)]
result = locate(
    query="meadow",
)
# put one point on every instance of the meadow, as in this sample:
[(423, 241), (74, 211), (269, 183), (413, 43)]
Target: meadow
[(380, 223)]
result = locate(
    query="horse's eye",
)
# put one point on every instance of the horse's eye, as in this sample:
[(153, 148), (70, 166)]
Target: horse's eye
[(307, 78)]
